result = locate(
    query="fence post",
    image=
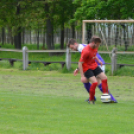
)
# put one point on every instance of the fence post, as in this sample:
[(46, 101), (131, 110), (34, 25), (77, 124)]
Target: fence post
[(25, 58), (68, 58), (114, 61)]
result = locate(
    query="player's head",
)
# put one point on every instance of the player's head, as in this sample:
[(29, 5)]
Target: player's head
[(72, 44), (95, 40)]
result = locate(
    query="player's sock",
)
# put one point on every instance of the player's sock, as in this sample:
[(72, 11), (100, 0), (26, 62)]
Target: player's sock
[(112, 98), (87, 86), (104, 86), (100, 87), (92, 91)]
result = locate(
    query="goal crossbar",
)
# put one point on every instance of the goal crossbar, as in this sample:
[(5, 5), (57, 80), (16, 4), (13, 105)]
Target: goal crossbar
[(108, 21), (101, 21)]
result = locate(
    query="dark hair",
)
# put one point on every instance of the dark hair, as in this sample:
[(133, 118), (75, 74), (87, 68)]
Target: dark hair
[(96, 39), (71, 42)]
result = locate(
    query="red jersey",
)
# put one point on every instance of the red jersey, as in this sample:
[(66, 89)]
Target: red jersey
[(88, 58)]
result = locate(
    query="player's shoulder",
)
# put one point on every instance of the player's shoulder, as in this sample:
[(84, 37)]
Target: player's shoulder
[(86, 50), (81, 47)]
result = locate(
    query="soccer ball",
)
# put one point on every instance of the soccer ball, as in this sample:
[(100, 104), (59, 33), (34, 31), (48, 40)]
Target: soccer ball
[(105, 98)]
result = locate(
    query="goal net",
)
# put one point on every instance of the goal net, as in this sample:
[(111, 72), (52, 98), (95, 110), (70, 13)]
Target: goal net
[(117, 34)]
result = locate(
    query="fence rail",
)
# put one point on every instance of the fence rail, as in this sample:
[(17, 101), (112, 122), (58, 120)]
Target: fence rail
[(67, 61), (10, 50), (62, 51)]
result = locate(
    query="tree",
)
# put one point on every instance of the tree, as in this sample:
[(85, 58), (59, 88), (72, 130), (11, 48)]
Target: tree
[(105, 9), (17, 36), (63, 12), (10, 13), (49, 26)]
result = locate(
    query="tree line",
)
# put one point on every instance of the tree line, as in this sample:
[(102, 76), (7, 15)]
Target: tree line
[(17, 16)]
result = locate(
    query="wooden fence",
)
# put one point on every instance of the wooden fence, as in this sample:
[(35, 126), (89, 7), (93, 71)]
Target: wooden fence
[(67, 62)]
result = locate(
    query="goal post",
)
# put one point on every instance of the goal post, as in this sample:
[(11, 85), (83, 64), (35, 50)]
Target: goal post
[(117, 34), (100, 21)]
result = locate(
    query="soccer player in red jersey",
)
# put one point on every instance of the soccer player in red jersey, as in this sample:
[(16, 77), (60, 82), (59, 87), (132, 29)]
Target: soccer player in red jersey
[(89, 69), (73, 45)]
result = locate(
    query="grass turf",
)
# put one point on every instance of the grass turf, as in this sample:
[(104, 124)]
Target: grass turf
[(47, 102)]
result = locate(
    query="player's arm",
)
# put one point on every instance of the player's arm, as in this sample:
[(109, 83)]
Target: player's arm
[(98, 60), (79, 49), (81, 61), (80, 68), (76, 71), (83, 78)]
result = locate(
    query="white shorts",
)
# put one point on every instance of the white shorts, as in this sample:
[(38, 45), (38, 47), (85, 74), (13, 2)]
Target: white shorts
[(102, 68)]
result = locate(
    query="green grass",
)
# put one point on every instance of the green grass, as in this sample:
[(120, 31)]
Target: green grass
[(48, 102)]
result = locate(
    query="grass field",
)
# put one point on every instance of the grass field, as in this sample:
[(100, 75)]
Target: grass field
[(50, 102)]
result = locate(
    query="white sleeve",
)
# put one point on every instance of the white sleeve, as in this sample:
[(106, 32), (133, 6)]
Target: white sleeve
[(80, 47)]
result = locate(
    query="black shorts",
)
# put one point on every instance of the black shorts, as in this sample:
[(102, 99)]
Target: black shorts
[(89, 73)]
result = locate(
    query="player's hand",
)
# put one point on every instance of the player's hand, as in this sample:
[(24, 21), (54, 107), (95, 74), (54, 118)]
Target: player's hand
[(76, 72), (100, 63)]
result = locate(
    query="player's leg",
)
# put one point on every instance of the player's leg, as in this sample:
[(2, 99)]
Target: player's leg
[(99, 80), (112, 97), (87, 87), (100, 74), (86, 83), (90, 76), (92, 87), (103, 78), (100, 85)]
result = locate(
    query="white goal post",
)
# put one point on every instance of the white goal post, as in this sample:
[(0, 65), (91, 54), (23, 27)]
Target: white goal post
[(100, 21), (114, 34)]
